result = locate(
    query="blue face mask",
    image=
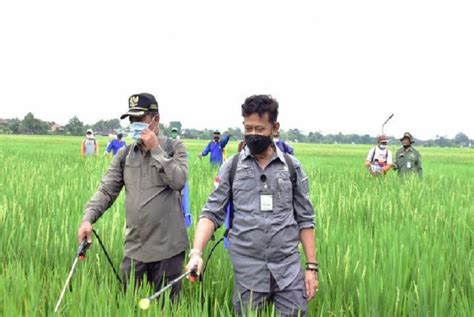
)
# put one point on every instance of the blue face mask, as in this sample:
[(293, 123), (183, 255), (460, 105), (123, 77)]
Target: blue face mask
[(136, 129)]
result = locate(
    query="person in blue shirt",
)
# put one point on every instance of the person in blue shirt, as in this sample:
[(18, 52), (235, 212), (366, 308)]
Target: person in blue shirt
[(116, 144), (283, 146), (185, 193), (216, 148)]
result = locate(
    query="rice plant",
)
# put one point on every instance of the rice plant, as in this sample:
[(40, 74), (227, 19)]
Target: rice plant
[(386, 247)]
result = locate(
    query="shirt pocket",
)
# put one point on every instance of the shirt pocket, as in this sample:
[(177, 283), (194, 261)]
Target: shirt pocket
[(155, 174), (243, 190), (131, 172), (284, 192), (411, 162)]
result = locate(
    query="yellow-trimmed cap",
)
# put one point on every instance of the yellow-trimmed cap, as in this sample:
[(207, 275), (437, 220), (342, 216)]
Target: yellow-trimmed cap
[(139, 104)]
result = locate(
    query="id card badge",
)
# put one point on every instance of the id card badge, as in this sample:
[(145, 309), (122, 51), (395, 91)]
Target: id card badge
[(266, 202), (408, 164)]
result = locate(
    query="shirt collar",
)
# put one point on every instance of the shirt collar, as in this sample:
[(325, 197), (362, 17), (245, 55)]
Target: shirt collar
[(278, 154)]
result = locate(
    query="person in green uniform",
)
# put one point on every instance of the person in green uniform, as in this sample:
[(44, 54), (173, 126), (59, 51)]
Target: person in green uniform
[(175, 134), (408, 159)]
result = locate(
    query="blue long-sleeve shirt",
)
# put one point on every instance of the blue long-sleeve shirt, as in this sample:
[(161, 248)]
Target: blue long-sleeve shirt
[(216, 149), (186, 205), (115, 146), (284, 147)]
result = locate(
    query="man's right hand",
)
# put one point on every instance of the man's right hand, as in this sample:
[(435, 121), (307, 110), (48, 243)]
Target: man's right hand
[(85, 232), (195, 262)]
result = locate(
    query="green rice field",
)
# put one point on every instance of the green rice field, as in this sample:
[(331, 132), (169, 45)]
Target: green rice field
[(386, 247)]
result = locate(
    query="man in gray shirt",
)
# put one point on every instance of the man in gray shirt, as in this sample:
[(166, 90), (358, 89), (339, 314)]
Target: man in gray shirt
[(153, 171), (271, 216)]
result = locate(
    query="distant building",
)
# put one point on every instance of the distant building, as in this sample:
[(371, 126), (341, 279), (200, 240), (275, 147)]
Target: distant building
[(4, 126), (56, 128)]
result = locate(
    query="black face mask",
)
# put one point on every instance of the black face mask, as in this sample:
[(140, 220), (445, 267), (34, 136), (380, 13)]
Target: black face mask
[(216, 138), (406, 146), (257, 143)]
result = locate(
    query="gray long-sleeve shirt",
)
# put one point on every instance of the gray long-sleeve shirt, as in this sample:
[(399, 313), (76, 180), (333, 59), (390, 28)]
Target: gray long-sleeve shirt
[(153, 181), (263, 242)]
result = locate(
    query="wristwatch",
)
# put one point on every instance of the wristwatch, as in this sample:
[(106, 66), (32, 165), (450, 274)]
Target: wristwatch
[(312, 266), (194, 252)]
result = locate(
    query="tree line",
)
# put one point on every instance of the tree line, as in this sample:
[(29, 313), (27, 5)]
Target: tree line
[(31, 125)]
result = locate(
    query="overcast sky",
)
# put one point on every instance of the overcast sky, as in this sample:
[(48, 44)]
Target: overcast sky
[(334, 66)]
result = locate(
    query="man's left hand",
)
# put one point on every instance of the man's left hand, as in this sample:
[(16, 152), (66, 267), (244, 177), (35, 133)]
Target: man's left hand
[(149, 139), (311, 283)]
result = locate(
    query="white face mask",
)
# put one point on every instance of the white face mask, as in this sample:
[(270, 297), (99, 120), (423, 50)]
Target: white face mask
[(136, 129), (382, 146)]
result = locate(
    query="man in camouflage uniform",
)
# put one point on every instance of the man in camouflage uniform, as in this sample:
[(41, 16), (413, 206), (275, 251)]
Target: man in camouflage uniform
[(153, 171), (408, 159)]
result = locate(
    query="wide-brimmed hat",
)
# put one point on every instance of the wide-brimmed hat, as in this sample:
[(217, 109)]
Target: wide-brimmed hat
[(409, 136)]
